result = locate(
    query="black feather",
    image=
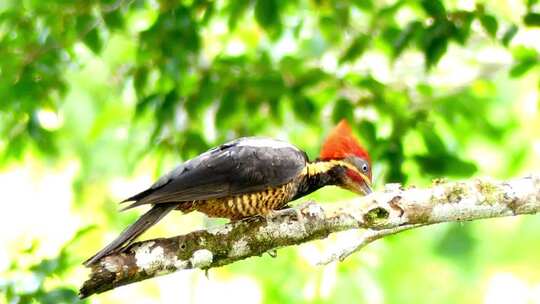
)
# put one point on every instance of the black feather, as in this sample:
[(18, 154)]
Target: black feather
[(146, 221), (241, 166)]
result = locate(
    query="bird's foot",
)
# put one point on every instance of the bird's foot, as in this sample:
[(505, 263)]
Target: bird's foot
[(249, 219), (272, 253), (309, 208), (284, 212), (299, 211)]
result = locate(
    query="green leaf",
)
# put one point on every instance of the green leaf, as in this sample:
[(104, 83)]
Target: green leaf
[(144, 103), (434, 8), (304, 108), (87, 30), (114, 19), (525, 60), (435, 41), (355, 49), (93, 40), (445, 165), (236, 10), (194, 144), (275, 110), (165, 110), (413, 28), (267, 13), (205, 94), (522, 67), (522, 53), (366, 5), (433, 141), (227, 109), (490, 24), (209, 9), (343, 109), (330, 29), (390, 34), (140, 76), (434, 51), (509, 35), (310, 78), (460, 167), (84, 23), (532, 19), (462, 23), (367, 132), (341, 14), (42, 138)]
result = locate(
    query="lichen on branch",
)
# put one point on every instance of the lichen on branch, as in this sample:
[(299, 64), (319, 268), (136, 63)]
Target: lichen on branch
[(382, 213)]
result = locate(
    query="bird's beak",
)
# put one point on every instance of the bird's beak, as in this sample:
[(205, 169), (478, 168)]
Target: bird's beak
[(362, 186), (366, 187)]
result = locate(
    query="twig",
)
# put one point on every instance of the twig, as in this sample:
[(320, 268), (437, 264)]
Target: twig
[(367, 237)]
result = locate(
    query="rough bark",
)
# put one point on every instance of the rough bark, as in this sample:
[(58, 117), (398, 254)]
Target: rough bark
[(382, 213)]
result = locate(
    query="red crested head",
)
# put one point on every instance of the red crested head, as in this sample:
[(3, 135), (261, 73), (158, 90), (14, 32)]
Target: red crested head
[(341, 144)]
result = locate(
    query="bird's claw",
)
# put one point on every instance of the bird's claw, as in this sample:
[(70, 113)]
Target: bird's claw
[(272, 253), (249, 219), (300, 211)]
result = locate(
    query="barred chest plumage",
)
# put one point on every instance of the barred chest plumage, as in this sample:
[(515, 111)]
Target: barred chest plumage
[(245, 205)]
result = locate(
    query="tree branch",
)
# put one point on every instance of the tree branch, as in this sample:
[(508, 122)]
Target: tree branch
[(382, 213)]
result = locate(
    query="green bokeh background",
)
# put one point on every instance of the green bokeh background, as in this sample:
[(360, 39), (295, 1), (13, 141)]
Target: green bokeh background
[(99, 98)]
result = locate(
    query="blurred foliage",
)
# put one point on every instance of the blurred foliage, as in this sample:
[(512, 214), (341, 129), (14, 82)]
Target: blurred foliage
[(115, 83), (30, 286)]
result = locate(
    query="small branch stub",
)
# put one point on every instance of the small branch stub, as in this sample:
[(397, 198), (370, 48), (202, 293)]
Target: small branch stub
[(382, 213)]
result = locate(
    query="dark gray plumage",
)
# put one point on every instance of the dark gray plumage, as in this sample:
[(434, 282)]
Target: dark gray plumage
[(127, 236), (244, 165)]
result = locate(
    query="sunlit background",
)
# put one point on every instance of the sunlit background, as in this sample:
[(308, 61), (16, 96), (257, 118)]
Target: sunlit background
[(99, 98)]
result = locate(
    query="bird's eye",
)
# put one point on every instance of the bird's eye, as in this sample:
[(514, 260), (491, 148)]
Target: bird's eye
[(365, 168)]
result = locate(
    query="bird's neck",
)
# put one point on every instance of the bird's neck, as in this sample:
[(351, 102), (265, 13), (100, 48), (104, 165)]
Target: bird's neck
[(318, 174)]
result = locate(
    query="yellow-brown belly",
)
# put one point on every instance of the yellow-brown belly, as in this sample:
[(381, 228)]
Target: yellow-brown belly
[(245, 205)]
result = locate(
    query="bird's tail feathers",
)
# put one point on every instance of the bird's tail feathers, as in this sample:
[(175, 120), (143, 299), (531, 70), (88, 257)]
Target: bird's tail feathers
[(127, 236)]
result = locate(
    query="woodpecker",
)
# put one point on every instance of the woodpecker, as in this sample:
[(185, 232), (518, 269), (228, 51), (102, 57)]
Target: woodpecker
[(246, 177)]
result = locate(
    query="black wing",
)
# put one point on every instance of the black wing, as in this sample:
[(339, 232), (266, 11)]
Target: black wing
[(241, 166)]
